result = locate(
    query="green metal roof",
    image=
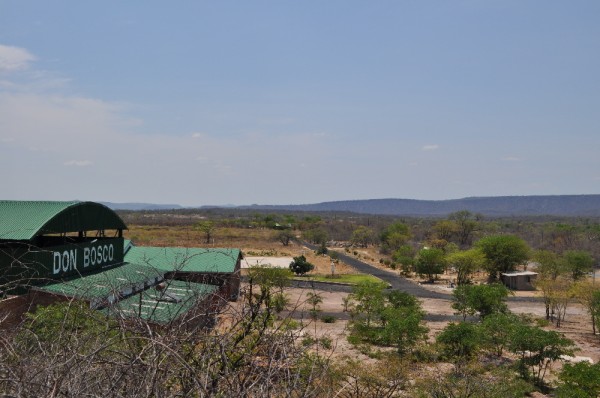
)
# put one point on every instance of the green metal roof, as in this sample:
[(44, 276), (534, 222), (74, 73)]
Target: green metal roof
[(162, 306), (185, 259), (23, 220), (123, 279)]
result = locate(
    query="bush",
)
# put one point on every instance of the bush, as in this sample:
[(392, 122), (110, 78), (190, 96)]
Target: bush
[(326, 342), (300, 266), (328, 319)]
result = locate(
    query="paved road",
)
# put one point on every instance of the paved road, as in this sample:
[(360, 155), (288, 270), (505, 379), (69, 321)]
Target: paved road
[(399, 283), (395, 281)]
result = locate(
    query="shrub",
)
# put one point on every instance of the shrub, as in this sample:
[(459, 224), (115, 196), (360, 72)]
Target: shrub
[(328, 319), (300, 266)]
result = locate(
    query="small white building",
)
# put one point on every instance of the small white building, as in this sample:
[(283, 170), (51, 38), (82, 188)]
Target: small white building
[(519, 280)]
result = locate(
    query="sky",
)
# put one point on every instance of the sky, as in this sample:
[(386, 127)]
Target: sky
[(290, 102)]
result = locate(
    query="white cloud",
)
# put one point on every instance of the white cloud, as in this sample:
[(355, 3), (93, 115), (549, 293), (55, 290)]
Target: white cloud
[(14, 58), (197, 135), (511, 159), (78, 163), (430, 147)]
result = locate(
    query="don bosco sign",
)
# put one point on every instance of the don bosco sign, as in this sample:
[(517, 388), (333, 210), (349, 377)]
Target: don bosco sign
[(81, 258)]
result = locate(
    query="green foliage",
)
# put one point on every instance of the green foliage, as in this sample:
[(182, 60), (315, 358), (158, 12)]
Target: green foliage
[(430, 262), (503, 253), (460, 341), (580, 380), (207, 228), (69, 323), (393, 319), (497, 330), (394, 237), (369, 299), (578, 263), (362, 236), (466, 263), (300, 266), (269, 278), (550, 265), (322, 249), (328, 319), (537, 349), (314, 299), (482, 299), (403, 327), (318, 236)]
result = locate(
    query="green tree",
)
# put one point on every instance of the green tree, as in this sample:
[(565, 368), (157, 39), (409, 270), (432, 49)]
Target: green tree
[(207, 228), (430, 262), (460, 341), (503, 253), (370, 301), (550, 265), (404, 327), (578, 263), (537, 349), (394, 237), (445, 229), (580, 380), (497, 330), (466, 263), (314, 299), (318, 236), (588, 294), (362, 236), (482, 299), (405, 255), (300, 266)]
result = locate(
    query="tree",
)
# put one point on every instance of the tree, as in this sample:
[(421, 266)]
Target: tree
[(394, 237), (460, 341), (314, 299), (318, 236), (550, 265), (579, 380), (370, 301), (466, 224), (482, 299), (588, 295), (503, 253), (497, 330), (300, 266), (404, 327), (405, 255), (207, 228), (537, 350), (466, 263), (362, 236), (578, 263), (445, 229), (430, 262), (285, 236)]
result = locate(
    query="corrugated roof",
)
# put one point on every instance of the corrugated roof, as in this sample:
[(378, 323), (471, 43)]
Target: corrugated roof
[(124, 279), (185, 259), (162, 306), (23, 220)]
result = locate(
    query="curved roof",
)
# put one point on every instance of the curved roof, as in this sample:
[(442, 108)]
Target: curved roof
[(23, 220)]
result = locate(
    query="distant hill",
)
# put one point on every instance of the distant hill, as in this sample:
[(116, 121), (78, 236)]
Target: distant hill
[(140, 206), (559, 205)]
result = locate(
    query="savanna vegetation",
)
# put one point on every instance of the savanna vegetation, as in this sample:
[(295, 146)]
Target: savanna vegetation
[(269, 345)]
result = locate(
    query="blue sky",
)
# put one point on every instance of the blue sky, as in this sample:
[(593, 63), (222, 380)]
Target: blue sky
[(281, 102)]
